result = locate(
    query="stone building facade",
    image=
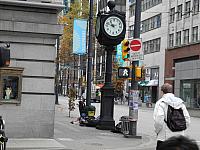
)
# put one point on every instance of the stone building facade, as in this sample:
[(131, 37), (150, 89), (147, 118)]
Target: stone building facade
[(183, 52), (31, 29)]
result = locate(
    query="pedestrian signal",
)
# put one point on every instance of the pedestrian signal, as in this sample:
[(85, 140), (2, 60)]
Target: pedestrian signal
[(123, 72), (125, 50)]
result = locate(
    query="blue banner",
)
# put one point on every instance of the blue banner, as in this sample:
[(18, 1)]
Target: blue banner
[(119, 55), (79, 36)]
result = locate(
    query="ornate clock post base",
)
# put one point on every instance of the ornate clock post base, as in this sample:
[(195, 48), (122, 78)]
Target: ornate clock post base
[(107, 100), (107, 106)]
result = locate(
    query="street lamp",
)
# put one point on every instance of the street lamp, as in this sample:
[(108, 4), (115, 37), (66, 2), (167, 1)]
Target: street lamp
[(89, 65)]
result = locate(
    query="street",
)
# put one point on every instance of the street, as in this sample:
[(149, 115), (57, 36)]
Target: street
[(74, 137)]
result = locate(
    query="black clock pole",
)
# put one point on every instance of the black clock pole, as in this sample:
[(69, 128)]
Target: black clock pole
[(109, 39), (107, 96), (106, 121)]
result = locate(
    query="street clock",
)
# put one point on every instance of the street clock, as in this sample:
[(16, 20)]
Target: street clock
[(113, 26), (110, 27)]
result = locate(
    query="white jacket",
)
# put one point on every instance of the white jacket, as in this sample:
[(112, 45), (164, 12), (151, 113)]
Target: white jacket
[(160, 113)]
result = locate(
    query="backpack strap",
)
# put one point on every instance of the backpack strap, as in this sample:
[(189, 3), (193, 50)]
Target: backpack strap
[(165, 114)]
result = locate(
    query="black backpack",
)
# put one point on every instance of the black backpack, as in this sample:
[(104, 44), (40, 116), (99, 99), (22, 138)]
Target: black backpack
[(175, 119)]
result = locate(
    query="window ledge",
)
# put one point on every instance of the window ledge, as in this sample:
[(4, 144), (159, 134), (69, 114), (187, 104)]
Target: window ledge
[(195, 13), (179, 19), (183, 45), (11, 101)]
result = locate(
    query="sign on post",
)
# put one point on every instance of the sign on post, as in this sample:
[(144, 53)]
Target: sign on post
[(123, 72), (133, 104), (136, 52)]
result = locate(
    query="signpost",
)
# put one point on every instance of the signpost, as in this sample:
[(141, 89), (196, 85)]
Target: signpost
[(136, 52)]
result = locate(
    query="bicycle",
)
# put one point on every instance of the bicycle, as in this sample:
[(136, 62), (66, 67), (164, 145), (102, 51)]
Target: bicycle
[(3, 138)]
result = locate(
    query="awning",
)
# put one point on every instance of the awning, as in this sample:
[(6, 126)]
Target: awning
[(152, 83), (98, 86), (143, 83)]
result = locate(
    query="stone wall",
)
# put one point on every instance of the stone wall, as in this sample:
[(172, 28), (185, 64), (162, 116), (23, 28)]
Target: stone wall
[(31, 28)]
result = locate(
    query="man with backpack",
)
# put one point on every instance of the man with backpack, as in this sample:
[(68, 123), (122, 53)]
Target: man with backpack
[(170, 116)]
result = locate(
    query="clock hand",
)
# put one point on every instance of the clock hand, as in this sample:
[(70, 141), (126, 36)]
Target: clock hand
[(112, 25)]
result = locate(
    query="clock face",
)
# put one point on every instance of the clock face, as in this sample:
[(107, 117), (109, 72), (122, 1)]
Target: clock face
[(113, 26), (97, 30)]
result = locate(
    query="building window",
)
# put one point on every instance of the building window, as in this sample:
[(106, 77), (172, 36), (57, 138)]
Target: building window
[(147, 4), (196, 7), (190, 93), (157, 21), (132, 1), (132, 10), (157, 45), (178, 38), (172, 15), (195, 34), (186, 36), (151, 23), (151, 46), (187, 9), (171, 40), (145, 48), (179, 12), (131, 31), (10, 85), (154, 73), (142, 6), (103, 4)]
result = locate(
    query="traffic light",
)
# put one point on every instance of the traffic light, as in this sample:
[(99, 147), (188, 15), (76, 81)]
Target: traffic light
[(138, 72), (4, 57), (125, 50)]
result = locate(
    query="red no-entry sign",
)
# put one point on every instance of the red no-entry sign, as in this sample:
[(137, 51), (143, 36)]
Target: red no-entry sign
[(136, 44)]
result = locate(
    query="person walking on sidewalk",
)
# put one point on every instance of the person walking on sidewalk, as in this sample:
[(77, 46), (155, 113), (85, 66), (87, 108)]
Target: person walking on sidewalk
[(160, 114)]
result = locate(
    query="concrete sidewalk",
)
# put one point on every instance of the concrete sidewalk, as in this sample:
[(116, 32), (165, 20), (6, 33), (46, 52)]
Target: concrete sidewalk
[(68, 136), (33, 143)]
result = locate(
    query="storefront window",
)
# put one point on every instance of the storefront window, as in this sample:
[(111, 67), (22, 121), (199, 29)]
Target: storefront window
[(10, 85), (190, 93)]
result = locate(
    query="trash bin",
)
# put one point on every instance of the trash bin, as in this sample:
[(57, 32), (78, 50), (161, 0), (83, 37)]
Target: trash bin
[(90, 111), (90, 119), (125, 125)]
